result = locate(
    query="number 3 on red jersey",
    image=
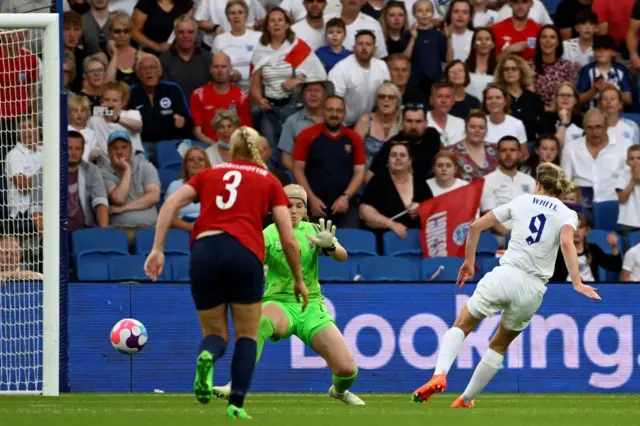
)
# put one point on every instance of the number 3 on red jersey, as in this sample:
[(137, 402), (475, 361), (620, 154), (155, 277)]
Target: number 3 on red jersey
[(233, 179)]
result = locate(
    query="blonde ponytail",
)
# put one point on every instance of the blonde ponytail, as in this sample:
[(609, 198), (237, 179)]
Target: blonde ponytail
[(553, 179), (245, 143)]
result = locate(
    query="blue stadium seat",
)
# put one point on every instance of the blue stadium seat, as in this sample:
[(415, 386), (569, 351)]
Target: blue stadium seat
[(131, 268), (396, 246), (634, 239), (488, 264), (488, 244), (103, 241), (357, 242), (179, 268), (166, 177), (551, 6), (605, 215), (332, 270), (387, 268), (94, 267), (599, 237), (633, 116), (177, 242), (167, 156), (440, 268)]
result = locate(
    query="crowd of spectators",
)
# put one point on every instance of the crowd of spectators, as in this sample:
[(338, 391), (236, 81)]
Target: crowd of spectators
[(373, 106)]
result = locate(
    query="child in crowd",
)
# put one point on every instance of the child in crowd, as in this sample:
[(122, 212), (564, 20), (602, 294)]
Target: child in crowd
[(78, 116), (602, 71), (482, 15), (628, 189), (579, 50), (335, 32), (427, 48)]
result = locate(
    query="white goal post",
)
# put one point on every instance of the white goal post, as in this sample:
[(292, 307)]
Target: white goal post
[(48, 343)]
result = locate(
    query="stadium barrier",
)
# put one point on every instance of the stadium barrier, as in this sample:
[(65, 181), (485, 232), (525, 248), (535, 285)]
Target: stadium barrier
[(573, 345)]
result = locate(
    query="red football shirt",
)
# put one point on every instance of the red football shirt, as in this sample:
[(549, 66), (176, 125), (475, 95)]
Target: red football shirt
[(205, 102), (17, 73), (505, 35), (235, 198)]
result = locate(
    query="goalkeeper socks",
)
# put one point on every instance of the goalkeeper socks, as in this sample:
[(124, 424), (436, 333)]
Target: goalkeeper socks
[(265, 331), (341, 384), (449, 348), (215, 345), (485, 371), (242, 366)]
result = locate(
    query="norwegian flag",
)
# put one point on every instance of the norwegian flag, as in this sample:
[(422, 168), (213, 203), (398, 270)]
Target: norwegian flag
[(299, 54), (445, 220)]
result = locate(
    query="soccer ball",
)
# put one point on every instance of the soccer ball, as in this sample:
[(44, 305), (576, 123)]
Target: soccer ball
[(129, 336)]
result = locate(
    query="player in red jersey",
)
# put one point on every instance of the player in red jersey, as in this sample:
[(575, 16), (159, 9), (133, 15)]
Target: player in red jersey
[(227, 253)]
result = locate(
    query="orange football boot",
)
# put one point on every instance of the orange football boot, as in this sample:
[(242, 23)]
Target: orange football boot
[(437, 384), (459, 403)]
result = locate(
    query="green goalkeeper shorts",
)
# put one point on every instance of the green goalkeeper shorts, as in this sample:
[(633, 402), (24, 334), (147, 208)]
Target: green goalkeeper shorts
[(304, 324)]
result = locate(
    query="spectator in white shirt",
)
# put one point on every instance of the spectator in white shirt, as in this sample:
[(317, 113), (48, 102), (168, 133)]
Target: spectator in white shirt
[(22, 167), (482, 15), (445, 169), (114, 97), (496, 104), (311, 28), (356, 22), (537, 13), (212, 17), (505, 183), (593, 161), (238, 43), (357, 77), (619, 128), (451, 128), (631, 265), (579, 50), (628, 188), (78, 117), (459, 30)]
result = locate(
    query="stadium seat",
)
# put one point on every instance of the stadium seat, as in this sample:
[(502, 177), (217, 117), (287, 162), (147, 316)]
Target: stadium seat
[(177, 242), (166, 177), (387, 268), (605, 215), (488, 244), (599, 237), (332, 270), (440, 268), (131, 268), (396, 246), (357, 242), (634, 239), (551, 6), (99, 241), (488, 264), (180, 268), (94, 267), (633, 116), (167, 156)]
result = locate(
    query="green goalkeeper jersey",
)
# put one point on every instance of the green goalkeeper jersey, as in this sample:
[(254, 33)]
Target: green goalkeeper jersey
[(279, 281)]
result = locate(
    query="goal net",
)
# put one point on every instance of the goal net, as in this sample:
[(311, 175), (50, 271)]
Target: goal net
[(29, 203)]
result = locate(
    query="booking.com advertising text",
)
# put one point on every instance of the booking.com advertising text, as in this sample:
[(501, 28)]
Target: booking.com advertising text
[(572, 345)]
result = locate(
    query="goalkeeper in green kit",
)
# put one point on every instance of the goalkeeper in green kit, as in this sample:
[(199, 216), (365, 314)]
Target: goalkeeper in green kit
[(282, 316)]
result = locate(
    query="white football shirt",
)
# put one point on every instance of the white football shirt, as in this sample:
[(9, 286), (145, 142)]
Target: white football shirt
[(535, 236)]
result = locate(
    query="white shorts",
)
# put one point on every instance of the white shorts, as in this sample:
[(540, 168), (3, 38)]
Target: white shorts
[(507, 289)]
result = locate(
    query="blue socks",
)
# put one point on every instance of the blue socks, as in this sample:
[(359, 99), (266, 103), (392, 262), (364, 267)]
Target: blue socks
[(242, 366), (215, 345)]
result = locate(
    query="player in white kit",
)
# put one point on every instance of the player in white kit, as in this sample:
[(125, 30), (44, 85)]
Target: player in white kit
[(541, 223)]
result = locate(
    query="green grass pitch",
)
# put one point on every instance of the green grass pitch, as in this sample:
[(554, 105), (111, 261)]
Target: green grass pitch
[(318, 409)]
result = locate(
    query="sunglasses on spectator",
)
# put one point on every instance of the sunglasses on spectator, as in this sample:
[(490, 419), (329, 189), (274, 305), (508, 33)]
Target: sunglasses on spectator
[(121, 30), (386, 97), (414, 106), (315, 1)]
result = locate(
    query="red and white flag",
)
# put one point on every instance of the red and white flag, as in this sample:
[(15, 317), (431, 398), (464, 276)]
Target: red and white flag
[(299, 54), (445, 220)]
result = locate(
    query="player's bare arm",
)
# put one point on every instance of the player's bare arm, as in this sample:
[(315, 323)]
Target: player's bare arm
[(467, 270), (571, 259)]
